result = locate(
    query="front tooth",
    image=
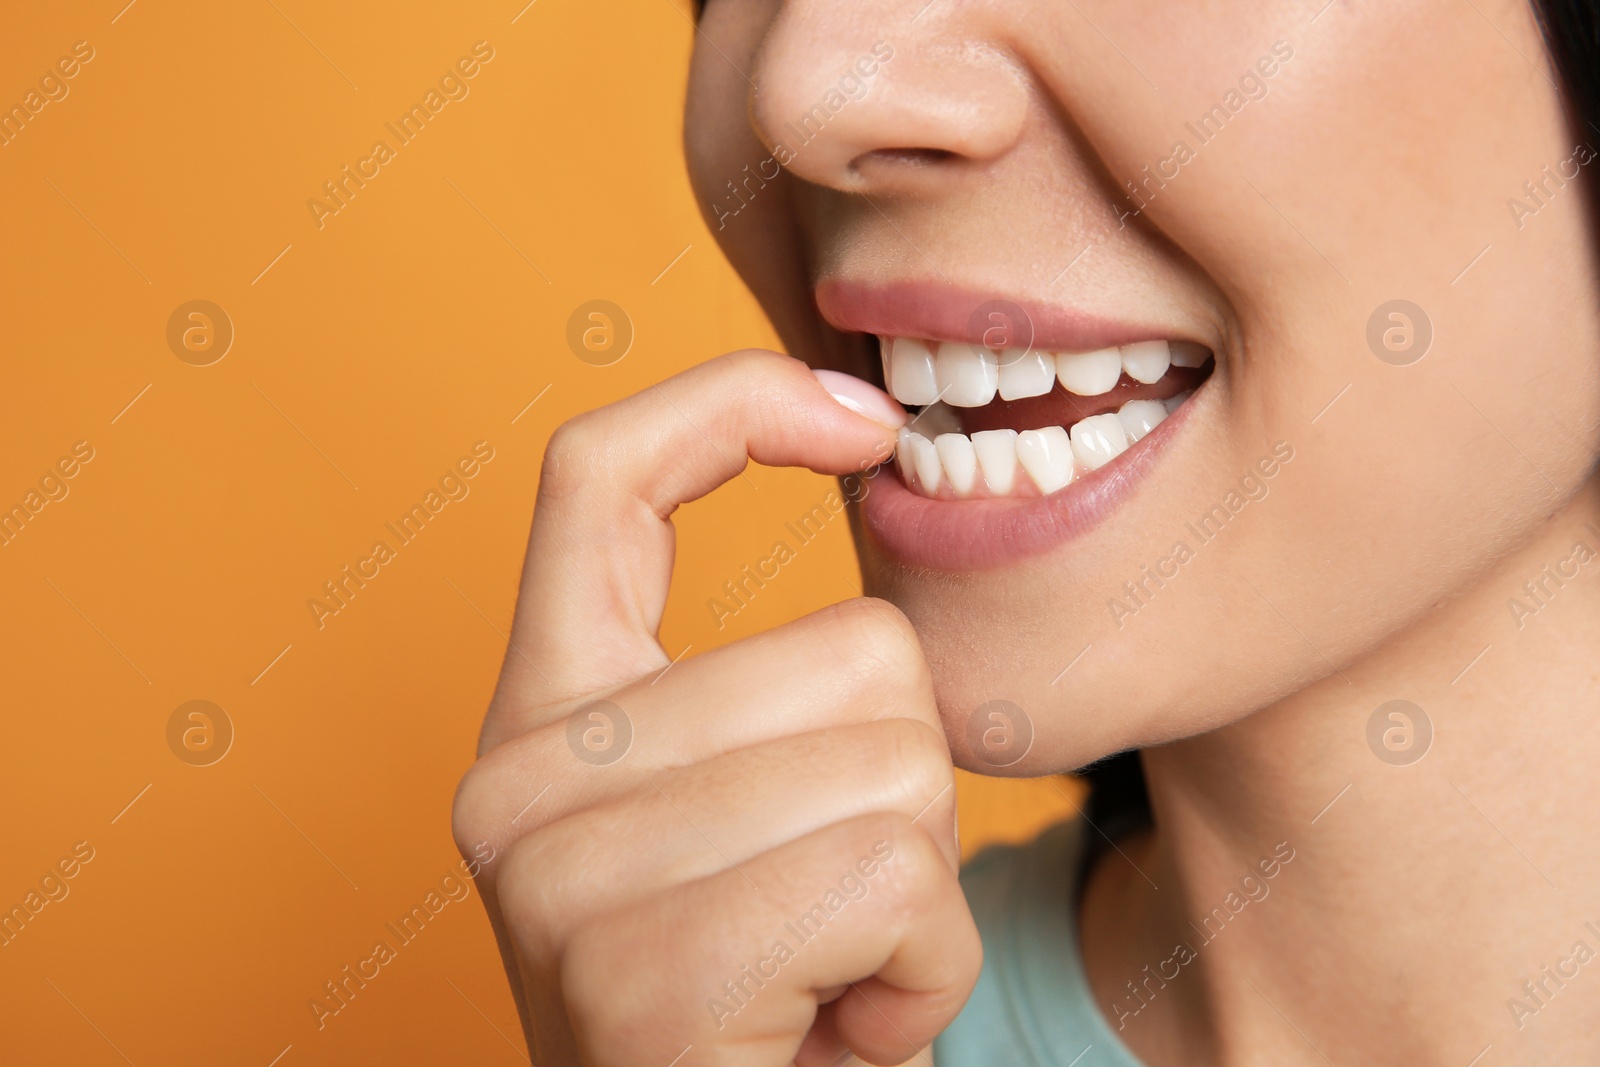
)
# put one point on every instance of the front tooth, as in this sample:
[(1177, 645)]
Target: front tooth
[(911, 374), (1139, 417), (1146, 361), (1172, 403), (1047, 457), (885, 345), (925, 458), (1098, 440), (1089, 373), (1026, 373), (967, 374), (1189, 354), (997, 458), (959, 460)]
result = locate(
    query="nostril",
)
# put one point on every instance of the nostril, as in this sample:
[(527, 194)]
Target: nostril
[(914, 156)]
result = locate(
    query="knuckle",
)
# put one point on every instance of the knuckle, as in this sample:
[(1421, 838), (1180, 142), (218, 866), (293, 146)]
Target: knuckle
[(878, 639), (914, 757), (530, 888), (573, 450), (911, 864), (471, 810)]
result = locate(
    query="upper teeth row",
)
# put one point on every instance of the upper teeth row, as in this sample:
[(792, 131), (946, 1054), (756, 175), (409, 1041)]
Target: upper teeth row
[(986, 463), (965, 375)]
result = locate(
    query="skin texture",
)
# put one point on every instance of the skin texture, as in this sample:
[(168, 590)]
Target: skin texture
[(991, 153)]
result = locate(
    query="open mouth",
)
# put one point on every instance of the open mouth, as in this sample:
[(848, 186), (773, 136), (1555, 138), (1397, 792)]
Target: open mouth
[(1027, 422)]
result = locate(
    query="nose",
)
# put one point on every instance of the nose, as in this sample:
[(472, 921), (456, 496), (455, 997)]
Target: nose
[(859, 94)]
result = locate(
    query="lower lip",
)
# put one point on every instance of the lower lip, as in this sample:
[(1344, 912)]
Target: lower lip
[(964, 535)]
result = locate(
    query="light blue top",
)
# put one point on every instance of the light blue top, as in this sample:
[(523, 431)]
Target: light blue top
[(1032, 1006)]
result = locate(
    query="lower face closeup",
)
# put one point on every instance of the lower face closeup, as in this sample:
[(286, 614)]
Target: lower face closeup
[(1228, 359)]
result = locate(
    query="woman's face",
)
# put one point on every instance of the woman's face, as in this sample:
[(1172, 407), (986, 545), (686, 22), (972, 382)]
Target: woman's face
[(1265, 181)]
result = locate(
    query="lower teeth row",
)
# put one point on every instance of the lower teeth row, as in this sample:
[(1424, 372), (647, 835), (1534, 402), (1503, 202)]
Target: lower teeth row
[(985, 464)]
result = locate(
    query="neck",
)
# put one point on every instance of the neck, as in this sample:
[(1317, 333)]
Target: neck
[(1352, 889)]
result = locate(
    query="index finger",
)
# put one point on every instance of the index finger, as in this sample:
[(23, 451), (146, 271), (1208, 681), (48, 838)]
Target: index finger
[(600, 553)]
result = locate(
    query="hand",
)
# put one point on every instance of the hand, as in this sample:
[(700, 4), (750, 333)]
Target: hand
[(749, 857)]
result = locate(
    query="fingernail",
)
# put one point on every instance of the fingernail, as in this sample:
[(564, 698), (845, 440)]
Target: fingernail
[(863, 398)]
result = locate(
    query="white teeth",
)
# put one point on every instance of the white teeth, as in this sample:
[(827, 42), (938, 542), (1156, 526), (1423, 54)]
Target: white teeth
[(911, 375), (925, 460), (1098, 440), (967, 374), (1089, 373), (959, 459), (1047, 457), (1189, 354), (1024, 373), (933, 453), (997, 458), (1146, 361), (1139, 417)]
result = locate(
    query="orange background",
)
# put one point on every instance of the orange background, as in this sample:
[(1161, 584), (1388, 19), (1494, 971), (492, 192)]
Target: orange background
[(369, 354)]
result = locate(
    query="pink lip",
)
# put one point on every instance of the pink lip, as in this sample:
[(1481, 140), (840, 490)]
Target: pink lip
[(959, 535), (939, 312)]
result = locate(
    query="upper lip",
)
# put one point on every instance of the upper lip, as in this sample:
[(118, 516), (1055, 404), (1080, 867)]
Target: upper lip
[(939, 311)]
